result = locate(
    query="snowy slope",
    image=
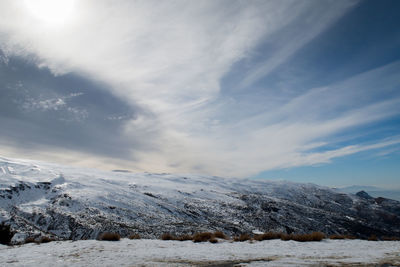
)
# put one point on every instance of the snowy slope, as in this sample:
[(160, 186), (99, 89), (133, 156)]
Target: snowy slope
[(174, 253), (75, 203)]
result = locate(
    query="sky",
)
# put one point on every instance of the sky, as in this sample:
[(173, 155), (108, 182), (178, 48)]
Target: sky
[(306, 91)]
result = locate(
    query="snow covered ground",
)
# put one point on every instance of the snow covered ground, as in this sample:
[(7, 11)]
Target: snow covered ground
[(38, 198), (174, 253)]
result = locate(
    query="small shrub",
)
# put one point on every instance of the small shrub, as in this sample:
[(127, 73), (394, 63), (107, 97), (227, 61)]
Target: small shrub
[(29, 239), (372, 238), (258, 237), (185, 238), (391, 238), (219, 234), (337, 237), (267, 236), (213, 240), (286, 237), (168, 236), (109, 237), (315, 236), (5, 234), (134, 236), (242, 238), (44, 239), (202, 237)]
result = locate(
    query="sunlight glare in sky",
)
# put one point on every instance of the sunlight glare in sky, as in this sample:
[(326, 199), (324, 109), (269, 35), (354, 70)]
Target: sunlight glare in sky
[(50, 11)]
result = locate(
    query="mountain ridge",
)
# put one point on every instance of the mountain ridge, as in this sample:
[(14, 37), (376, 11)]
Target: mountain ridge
[(38, 198), (374, 191)]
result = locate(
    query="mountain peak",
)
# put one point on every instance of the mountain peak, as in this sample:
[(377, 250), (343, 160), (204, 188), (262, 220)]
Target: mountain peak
[(363, 194)]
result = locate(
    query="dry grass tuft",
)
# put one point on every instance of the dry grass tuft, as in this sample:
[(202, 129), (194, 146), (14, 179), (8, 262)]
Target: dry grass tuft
[(202, 237), (109, 237), (242, 238), (391, 238), (213, 237), (267, 236), (185, 237), (198, 237), (168, 236), (44, 239), (29, 239), (213, 240), (315, 236), (134, 236), (219, 234), (286, 237), (372, 238), (337, 237)]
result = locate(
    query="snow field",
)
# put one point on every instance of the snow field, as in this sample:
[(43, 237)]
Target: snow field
[(174, 253)]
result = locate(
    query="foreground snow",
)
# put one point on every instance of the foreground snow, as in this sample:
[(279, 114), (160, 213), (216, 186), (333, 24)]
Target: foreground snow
[(174, 253)]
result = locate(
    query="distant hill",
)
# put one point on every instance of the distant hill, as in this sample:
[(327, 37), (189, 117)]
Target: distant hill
[(372, 190)]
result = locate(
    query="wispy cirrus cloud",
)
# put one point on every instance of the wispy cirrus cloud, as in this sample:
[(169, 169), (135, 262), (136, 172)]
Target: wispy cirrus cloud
[(167, 60), (294, 134)]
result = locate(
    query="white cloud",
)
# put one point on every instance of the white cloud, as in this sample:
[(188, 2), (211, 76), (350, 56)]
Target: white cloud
[(170, 56), (285, 136), (46, 105), (158, 54), (60, 103)]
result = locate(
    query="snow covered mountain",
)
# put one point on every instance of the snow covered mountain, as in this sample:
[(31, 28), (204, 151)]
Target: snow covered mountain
[(76, 203)]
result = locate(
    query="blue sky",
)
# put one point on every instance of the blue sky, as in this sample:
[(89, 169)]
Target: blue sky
[(307, 91)]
